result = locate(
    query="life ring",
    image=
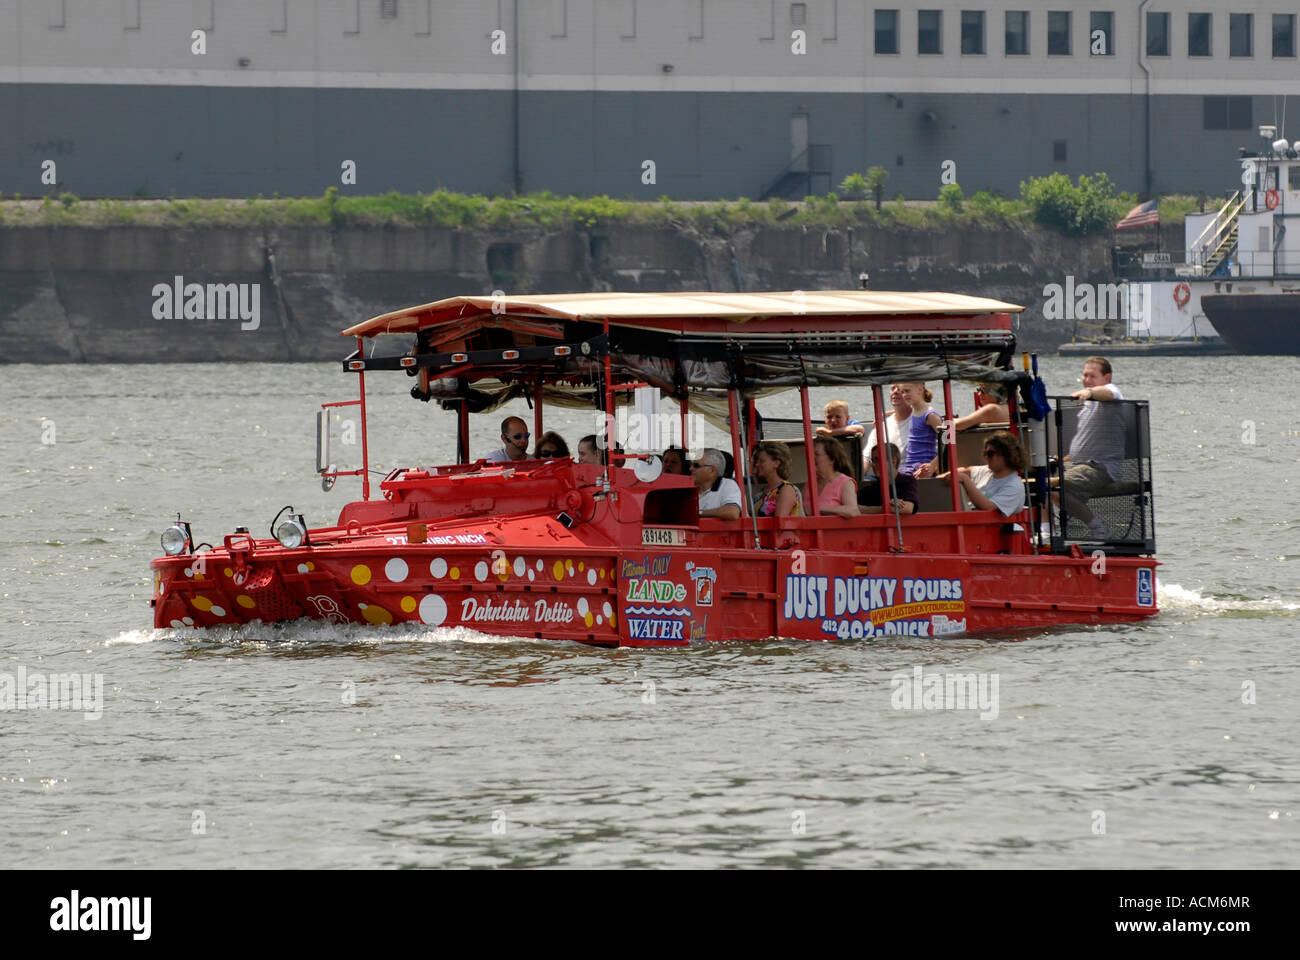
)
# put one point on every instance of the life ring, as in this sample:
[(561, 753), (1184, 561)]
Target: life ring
[(1271, 199), (1182, 293)]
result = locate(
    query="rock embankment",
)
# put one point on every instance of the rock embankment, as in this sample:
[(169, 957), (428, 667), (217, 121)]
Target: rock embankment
[(165, 293)]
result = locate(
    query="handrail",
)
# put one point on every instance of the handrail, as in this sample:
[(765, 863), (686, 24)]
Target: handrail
[(1213, 244)]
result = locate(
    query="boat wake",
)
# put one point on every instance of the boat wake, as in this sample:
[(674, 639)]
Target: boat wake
[(305, 633), (1175, 599)]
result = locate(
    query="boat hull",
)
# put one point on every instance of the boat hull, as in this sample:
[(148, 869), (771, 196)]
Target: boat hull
[(651, 596), (1256, 323)]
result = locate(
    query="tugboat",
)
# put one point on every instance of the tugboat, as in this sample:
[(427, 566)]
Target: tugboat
[(616, 553), (1240, 283)]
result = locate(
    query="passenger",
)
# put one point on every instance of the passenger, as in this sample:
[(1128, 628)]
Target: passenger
[(1097, 451), (898, 425), (674, 459), (837, 494), (838, 422), (922, 459), (772, 465), (997, 485), (514, 438), (903, 496), (588, 452), (719, 496), (551, 447), (991, 410)]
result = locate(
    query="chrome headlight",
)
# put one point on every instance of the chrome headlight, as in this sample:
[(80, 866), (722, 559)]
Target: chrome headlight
[(174, 540), (292, 533)]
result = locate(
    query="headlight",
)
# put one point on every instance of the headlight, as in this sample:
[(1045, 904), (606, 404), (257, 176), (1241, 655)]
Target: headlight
[(292, 533), (174, 540)]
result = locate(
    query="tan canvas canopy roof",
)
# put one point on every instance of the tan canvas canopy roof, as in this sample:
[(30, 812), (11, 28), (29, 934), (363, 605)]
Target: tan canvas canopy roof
[(691, 311)]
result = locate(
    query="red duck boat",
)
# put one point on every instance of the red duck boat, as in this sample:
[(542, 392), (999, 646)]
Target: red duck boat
[(616, 553)]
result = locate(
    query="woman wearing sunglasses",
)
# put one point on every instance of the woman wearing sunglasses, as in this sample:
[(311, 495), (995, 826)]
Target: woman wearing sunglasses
[(997, 486), (551, 447)]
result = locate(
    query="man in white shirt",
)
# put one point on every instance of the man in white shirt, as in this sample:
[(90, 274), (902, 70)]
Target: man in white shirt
[(1097, 451), (514, 438), (719, 496)]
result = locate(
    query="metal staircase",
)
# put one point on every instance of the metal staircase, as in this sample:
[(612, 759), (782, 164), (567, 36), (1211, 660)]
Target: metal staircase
[(1218, 240), (796, 181)]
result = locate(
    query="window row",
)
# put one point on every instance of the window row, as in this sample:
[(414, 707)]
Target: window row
[(1101, 33)]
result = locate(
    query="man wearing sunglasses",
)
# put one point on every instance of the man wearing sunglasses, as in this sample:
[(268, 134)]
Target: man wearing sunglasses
[(514, 437)]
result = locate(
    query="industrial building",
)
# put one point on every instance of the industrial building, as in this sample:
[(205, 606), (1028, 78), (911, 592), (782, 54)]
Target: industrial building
[(691, 99)]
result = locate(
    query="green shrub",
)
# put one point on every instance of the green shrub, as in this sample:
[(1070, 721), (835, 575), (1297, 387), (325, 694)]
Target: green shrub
[(951, 196), (1075, 210), (854, 186)]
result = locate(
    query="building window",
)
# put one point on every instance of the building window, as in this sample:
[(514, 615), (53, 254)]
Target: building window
[(1058, 33), (1157, 34), (1198, 34), (1059, 152), (798, 14), (388, 9), (886, 31), (972, 31), (1101, 33), (1017, 43), (1284, 34), (929, 31), (1226, 113), (1241, 35)]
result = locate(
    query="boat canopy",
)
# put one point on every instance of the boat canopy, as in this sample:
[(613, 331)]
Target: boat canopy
[(696, 345)]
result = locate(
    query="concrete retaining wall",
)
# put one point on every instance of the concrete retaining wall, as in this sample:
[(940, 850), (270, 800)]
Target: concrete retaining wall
[(88, 294)]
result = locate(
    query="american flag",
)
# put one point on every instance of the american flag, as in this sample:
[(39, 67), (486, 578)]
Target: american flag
[(1140, 216)]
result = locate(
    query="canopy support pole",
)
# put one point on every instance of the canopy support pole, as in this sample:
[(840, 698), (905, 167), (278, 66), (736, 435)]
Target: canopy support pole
[(462, 431), (884, 465), (810, 510), (365, 444), (949, 435), (537, 412), (738, 457)]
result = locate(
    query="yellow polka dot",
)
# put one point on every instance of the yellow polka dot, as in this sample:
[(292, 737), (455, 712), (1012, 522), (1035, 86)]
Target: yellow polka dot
[(310, 565), (602, 573), (454, 573), (581, 566), (360, 574), (588, 619), (376, 614), (201, 603), (228, 572), (568, 565), (558, 570), (408, 604), (611, 620), (245, 601)]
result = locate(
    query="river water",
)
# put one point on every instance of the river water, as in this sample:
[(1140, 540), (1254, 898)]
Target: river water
[(1171, 743)]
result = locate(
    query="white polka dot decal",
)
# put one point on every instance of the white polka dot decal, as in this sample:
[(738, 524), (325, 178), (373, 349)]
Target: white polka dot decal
[(438, 568), (519, 566), (481, 571), (433, 610), (582, 606), (591, 576), (607, 609), (395, 570)]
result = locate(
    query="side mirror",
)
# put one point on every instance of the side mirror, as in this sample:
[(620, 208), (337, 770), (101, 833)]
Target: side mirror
[(328, 478)]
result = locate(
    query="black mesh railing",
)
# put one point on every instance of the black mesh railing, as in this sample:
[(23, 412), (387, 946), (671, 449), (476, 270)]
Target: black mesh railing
[(1100, 484)]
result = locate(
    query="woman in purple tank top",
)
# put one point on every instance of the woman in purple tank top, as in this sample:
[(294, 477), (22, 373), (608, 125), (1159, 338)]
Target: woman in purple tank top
[(922, 456)]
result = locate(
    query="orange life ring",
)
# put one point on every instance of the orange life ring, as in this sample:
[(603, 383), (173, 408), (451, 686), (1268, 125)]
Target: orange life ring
[(1182, 293), (1271, 199)]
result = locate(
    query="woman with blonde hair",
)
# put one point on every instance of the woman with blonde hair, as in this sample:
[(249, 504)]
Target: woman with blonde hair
[(780, 497), (837, 494)]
